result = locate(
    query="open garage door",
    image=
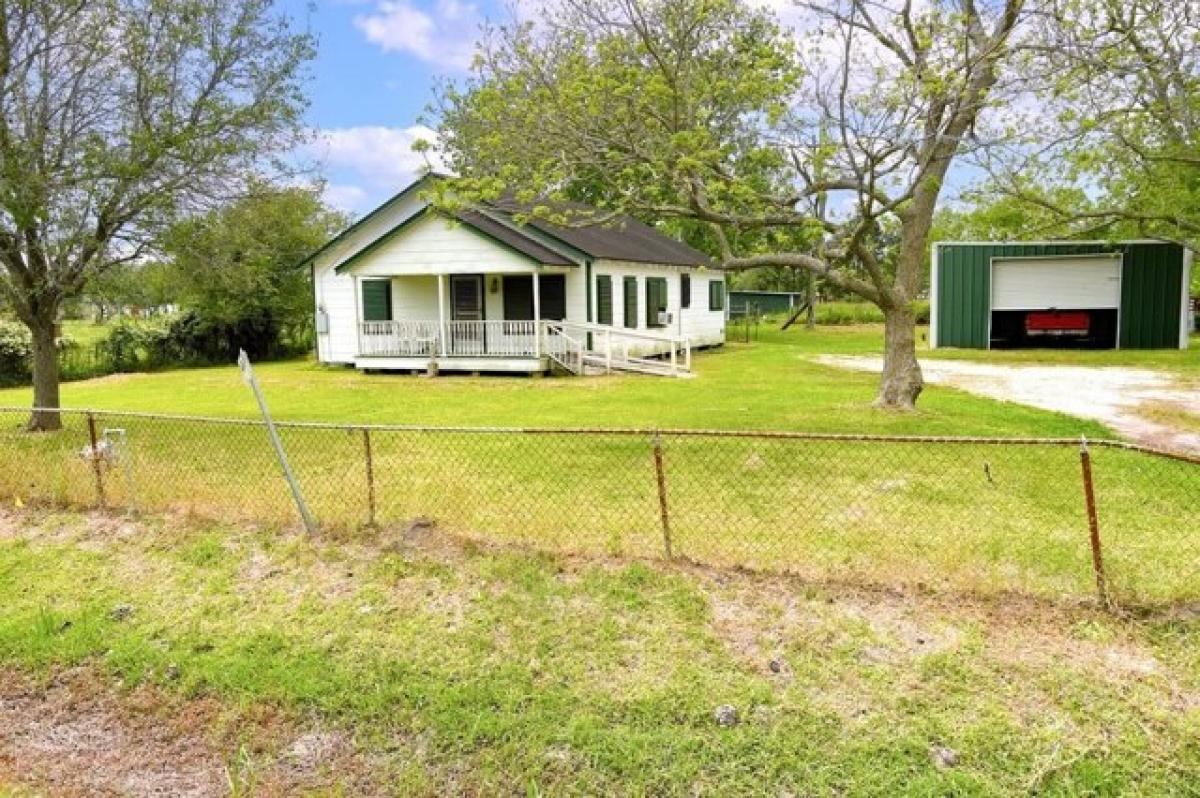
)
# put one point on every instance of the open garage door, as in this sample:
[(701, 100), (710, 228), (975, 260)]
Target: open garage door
[(1056, 302)]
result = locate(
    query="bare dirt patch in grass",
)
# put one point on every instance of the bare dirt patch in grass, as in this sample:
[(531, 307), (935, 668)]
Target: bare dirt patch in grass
[(759, 617), (414, 658), (1129, 400), (73, 735)]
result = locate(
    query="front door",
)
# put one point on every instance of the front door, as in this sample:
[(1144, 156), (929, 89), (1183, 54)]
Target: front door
[(466, 305)]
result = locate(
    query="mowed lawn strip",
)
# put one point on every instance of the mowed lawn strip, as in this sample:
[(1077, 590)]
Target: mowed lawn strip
[(988, 518), (483, 671), (767, 384)]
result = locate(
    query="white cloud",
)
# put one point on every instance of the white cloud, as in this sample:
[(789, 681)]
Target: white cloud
[(382, 155), (442, 33), (368, 162), (346, 197)]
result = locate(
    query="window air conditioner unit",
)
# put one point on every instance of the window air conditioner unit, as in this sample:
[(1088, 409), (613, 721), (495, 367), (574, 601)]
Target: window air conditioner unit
[(664, 318)]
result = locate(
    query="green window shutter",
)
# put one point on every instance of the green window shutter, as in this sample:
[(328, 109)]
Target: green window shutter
[(656, 299), (631, 303), (377, 300), (716, 294), (685, 291), (604, 299)]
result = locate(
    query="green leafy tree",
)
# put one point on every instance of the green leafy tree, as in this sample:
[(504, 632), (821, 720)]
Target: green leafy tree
[(115, 115), (240, 267), (1120, 123), (140, 286), (990, 214), (706, 110)]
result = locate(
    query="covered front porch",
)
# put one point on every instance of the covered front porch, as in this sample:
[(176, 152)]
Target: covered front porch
[(466, 322)]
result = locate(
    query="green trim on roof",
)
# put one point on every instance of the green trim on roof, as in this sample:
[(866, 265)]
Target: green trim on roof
[(494, 240), (358, 224), (383, 239), (422, 214)]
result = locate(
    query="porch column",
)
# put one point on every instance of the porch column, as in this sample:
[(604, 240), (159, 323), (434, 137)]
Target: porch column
[(537, 316), (442, 314)]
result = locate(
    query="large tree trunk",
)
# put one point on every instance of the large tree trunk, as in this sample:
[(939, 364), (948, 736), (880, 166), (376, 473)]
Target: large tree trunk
[(45, 378), (901, 382)]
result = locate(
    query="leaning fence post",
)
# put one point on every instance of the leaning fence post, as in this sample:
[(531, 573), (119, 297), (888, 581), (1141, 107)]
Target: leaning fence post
[(94, 456), (1089, 494), (310, 523), (370, 463), (664, 513)]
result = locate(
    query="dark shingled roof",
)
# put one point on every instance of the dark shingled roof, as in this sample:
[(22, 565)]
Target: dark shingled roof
[(513, 238), (625, 238)]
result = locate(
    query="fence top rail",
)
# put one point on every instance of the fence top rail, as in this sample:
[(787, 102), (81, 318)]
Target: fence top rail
[(627, 431)]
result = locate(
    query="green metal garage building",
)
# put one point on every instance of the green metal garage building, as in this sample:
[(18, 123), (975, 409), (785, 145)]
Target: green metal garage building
[(1084, 294)]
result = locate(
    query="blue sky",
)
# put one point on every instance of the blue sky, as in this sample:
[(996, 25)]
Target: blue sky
[(377, 63)]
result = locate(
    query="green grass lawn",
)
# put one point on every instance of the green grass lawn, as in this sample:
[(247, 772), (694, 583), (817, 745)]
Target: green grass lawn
[(86, 332), (975, 516), (466, 670), (768, 384)]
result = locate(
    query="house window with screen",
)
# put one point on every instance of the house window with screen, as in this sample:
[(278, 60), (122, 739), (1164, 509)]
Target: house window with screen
[(716, 295), (631, 302), (604, 299)]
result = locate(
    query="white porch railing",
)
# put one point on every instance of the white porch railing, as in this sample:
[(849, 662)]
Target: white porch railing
[(399, 339), (612, 347), (573, 344), (560, 347), (453, 339), (491, 338)]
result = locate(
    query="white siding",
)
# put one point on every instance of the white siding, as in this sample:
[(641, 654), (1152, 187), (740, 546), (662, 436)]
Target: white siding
[(1068, 283), (414, 256), (335, 293), (432, 245), (705, 327), (386, 219), (335, 296), (415, 298), (577, 295), (435, 245)]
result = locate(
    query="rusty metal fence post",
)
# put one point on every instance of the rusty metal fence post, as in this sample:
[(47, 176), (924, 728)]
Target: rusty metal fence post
[(1089, 495), (94, 457), (663, 510), (370, 464)]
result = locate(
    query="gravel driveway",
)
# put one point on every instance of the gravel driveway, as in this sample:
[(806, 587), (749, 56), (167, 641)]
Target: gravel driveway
[(1120, 397)]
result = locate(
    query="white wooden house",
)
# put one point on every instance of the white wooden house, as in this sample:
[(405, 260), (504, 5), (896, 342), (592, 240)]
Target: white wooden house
[(409, 287)]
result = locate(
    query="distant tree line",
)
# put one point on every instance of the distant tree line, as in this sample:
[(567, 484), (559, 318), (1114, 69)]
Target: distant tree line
[(215, 283)]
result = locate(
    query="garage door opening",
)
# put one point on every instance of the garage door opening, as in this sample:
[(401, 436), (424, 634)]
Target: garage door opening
[(1055, 303), (1054, 329)]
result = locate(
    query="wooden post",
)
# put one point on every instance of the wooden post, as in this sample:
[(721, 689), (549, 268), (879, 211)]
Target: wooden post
[(94, 456), (608, 351), (370, 463), (537, 316), (1085, 461), (441, 278), (664, 514)]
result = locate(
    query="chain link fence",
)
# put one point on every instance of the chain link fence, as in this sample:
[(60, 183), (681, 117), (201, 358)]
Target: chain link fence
[(963, 513)]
